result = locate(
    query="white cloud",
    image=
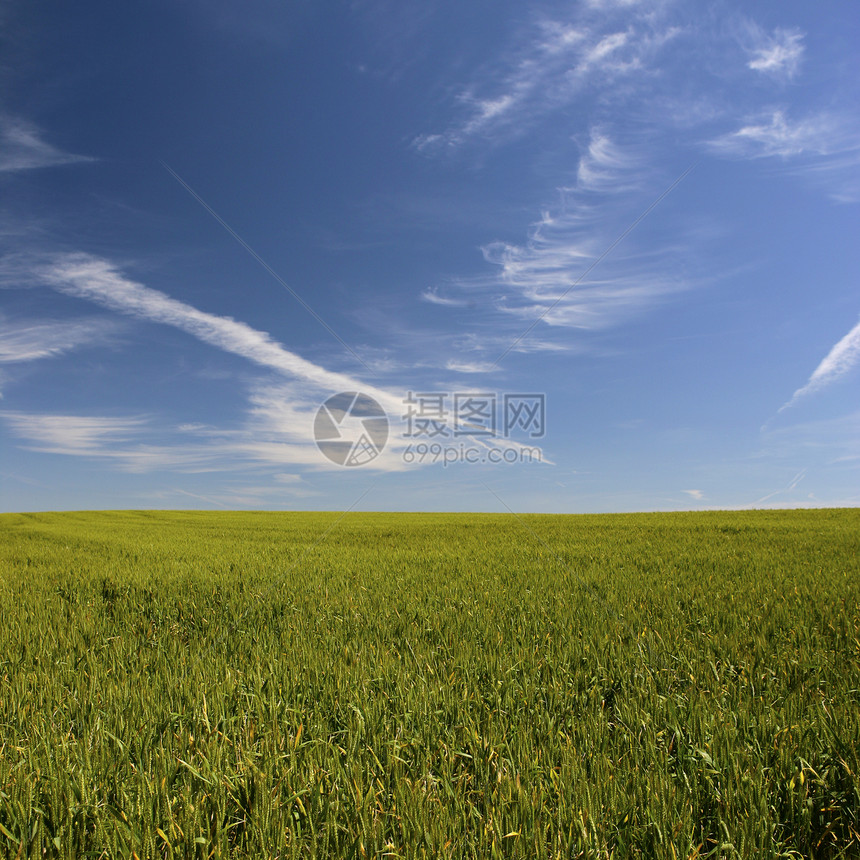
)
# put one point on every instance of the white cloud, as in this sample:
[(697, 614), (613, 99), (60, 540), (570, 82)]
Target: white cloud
[(432, 295), (547, 71), (277, 414), (30, 340), (606, 46), (778, 54), (127, 442), (276, 432), (287, 478), (698, 495), (541, 278), (73, 434), (567, 273), (489, 109), (841, 360), (481, 343), (603, 166), (775, 135), (823, 148), (22, 148), (471, 366), (277, 428), (98, 280)]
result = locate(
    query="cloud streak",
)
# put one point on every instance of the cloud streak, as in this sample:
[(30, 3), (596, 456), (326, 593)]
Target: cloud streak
[(823, 148), (28, 341), (548, 277), (840, 361), (277, 428), (604, 165), (551, 69), (97, 280), (73, 434), (432, 296), (22, 148), (779, 54), (277, 431), (131, 444), (775, 135)]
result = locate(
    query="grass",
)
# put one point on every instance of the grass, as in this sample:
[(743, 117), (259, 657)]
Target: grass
[(397, 685)]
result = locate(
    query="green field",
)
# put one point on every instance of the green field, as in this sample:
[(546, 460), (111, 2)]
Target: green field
[(427, 685)]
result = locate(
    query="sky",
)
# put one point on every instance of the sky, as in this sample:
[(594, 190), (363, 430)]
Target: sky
[(453, 255)]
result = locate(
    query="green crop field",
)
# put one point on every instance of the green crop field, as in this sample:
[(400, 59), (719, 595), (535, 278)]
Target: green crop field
[(426, 685)]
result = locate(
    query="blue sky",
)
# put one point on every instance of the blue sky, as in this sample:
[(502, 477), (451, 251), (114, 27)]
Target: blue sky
[(215, 216)]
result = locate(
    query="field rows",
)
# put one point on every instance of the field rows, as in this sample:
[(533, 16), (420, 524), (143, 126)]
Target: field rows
[(246, 685)]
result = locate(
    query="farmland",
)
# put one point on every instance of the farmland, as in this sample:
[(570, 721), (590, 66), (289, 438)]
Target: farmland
[(194, 684)]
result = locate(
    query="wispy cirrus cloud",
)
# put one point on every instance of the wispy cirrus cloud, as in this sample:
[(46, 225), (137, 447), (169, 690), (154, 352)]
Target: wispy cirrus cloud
[(773, 134), (28, 340), (23, 148), (470, 366), (431, 295), (777, 54), (276, 429), (127, 443), (553, 279), (543, 58), (551, 68), (822, 148), (73, 434), (545, 276), (601, 52), (475, 343), (98, 280), (275, 432), (841, 360), (606, 167), (135, 444)]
